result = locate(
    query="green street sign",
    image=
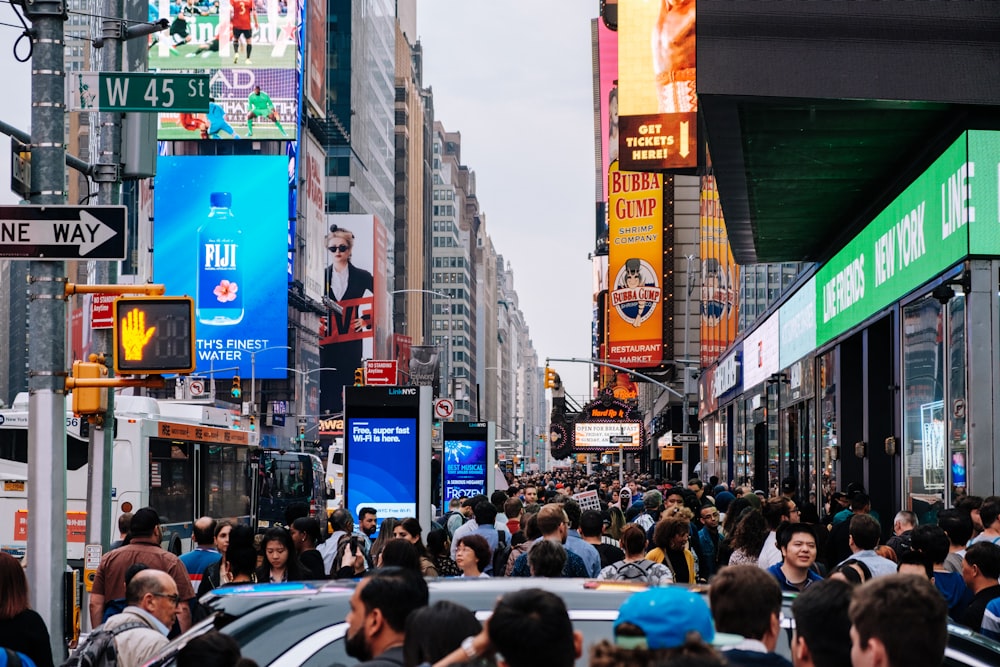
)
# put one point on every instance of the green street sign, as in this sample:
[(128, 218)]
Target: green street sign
[(137, 91)]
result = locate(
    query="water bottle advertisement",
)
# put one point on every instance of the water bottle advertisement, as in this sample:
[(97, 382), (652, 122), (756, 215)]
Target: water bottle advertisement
[(464, 468), (220, 235), (382, 466)]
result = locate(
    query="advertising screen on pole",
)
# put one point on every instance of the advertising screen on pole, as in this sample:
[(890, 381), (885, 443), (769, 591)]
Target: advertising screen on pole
[(467, 459), (382, 465), (242, 44), (220, 236), (658, 106)]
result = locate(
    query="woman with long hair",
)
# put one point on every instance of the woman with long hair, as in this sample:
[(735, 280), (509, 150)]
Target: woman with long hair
[(400, 553), (748, 538), (385, 531), (217, 573), (21, 628), (241, 557), (617, 522), (305, 536), (281, 563), (409, 529), (439, 549)]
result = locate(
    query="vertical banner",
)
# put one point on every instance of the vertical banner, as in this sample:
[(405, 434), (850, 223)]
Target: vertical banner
[(719, 278), (656, 83), (635, 269), (219, 235), (312, 163), (401, 345), (606, 106), (347, 333), (315, 75)]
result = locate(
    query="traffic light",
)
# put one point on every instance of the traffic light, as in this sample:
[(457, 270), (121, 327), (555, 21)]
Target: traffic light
[(237, 390), (359, 377), (253, 423), (302, 432), (551, 378), (154, 335), (89, 400)]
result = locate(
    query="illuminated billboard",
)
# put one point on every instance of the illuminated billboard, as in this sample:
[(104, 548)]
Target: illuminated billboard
[(720, 277), (220, 236), (355, 284), (235, 93), (313, 226), (607, 50), (468, 457), (635, 269), (656, 85), (242, 45), (600, 436)]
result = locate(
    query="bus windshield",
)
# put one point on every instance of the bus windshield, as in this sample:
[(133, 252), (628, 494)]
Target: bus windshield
[(287, 476)]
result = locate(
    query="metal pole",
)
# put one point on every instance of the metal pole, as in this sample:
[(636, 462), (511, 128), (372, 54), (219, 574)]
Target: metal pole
[(101, 442), (47, 343), (253, 385)]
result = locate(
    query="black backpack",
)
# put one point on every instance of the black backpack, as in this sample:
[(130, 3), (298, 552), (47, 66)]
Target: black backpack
[(501, 555), (99, 650)]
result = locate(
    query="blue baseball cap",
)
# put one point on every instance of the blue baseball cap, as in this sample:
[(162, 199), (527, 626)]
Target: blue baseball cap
[(665, 614)]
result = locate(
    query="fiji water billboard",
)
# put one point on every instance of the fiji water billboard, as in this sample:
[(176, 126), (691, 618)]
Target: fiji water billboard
[(220, 235)]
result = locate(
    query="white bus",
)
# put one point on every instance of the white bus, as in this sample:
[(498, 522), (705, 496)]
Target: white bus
[(184, 460)]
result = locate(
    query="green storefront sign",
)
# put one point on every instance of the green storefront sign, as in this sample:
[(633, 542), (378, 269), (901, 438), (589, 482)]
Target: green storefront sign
[(949, 212)]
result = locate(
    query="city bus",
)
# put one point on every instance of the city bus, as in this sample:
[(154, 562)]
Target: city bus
[(185, 460)]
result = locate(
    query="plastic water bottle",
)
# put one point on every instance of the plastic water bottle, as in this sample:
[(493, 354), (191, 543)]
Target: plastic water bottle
[(220, 274)]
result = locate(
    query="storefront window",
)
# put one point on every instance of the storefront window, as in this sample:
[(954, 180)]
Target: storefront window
[(958, 430), (829, 443), (744, 444), (925, 472)]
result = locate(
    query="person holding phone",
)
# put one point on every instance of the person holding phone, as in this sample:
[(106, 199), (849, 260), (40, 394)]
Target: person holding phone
[(351, 561)]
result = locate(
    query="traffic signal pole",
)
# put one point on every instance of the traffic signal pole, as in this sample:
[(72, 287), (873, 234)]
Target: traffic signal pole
[(46, 552)]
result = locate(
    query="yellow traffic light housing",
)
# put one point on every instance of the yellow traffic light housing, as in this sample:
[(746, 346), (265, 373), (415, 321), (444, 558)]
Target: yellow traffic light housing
[(551, 378), (253, 423), (89, 400), (154, 335), (359, 377), (237, 390), (302, 432)]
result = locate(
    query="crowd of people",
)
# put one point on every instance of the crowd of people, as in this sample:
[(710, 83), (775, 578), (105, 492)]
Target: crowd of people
[(859, 601)]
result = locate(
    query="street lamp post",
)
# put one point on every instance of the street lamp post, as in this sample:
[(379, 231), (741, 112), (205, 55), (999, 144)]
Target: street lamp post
[(300, 401), (253, 375), (451, 313)]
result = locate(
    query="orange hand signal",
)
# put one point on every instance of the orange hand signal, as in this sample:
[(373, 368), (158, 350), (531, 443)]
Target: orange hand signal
[(134, 334)]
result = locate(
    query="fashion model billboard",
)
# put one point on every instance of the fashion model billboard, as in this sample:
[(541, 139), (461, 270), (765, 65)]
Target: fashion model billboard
[(635, 269), (355, 291), (219, 234), (719, 278), (656, 85)]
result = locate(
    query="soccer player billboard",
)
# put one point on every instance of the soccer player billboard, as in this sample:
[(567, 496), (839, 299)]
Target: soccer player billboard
[(658, 106), (219, 235)]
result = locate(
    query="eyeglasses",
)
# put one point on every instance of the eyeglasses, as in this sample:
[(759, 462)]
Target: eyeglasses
[(339, 248), (173, 597), (796, 510)]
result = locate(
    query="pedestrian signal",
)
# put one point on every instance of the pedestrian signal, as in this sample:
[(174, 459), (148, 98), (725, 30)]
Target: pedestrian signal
[(154, 335)]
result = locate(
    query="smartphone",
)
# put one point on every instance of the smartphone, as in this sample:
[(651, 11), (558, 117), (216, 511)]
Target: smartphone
[(354, 544)]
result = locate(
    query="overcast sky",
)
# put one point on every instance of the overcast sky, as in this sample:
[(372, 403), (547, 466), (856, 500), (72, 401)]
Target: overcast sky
[(515, 79)]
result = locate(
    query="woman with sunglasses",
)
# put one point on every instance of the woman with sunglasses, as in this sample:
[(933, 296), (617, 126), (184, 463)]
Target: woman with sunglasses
[(348, 322)]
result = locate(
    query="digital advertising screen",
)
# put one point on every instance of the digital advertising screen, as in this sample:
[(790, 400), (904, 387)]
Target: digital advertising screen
[(220, 235), (387, 450), (382, 466), (243, 45), (467, 460)]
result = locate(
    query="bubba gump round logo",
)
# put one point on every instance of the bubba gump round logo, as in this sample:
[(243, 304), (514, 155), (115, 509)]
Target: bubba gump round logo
[(637, 291)]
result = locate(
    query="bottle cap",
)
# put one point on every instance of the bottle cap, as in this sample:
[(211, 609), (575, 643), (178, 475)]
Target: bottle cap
[(221, 199)]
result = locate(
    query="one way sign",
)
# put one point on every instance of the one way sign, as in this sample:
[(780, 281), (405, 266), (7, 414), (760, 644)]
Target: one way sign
[(62, 232)]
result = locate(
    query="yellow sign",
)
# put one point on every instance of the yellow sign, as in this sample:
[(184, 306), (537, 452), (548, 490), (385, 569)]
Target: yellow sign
[(13, 487), (154, 335), (196, 433)]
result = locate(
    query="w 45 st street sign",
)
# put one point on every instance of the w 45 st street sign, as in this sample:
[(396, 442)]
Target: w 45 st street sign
[(137, 91)]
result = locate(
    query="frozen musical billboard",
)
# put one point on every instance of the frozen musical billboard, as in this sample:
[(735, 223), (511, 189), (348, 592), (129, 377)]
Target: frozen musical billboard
[(635, 269)]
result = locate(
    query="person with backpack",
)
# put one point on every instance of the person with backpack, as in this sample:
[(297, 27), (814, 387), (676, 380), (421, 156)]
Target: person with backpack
[(635, 566), (133, 637)]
